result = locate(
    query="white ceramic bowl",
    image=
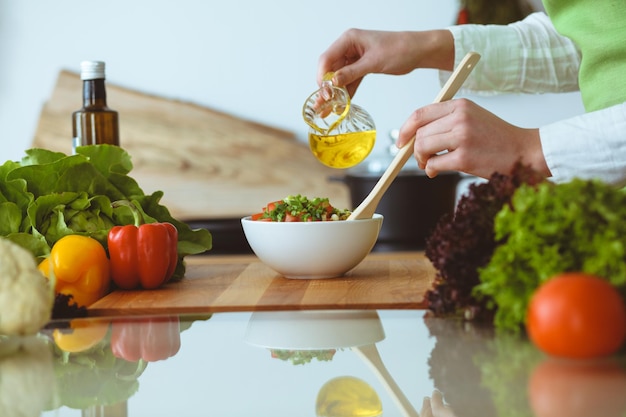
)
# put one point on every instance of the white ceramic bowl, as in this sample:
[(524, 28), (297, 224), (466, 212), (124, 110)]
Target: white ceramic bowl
[(312, 250)]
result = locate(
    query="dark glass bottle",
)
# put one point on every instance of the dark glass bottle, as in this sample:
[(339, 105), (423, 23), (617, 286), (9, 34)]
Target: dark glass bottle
[(94, 123)]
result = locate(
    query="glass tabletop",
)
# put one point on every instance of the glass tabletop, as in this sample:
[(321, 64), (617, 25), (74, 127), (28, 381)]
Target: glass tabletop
[(307, 363)]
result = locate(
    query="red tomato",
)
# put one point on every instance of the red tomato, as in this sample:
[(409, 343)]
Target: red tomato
[(577, 316), (291, 218), (256, 216), (272, 206)]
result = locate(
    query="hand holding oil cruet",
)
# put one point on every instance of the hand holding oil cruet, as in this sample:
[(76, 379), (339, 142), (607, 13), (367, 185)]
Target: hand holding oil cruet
[(341, 134)]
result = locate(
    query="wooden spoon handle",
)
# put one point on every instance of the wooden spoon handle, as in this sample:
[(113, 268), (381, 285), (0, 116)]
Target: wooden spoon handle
[(367, 208)]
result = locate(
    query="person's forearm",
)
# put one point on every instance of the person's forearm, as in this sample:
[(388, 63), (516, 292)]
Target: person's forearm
[(434, 49)]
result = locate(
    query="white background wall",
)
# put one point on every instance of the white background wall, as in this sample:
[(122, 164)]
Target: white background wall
[(256, 60)]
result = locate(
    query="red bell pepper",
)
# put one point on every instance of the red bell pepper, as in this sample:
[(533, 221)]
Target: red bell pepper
[(142, 255), (148, 339)]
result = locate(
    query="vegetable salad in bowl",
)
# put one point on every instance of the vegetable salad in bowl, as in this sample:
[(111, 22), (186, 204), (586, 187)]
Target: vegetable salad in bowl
[(300, 209), (307, 238)]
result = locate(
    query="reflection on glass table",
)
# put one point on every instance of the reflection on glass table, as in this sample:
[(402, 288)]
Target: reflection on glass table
[(222, 365), (27, 377), (310, 333), (98, 362), (480, 373)]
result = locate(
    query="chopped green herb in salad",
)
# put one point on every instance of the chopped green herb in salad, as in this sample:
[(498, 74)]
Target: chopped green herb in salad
[(297, 208)]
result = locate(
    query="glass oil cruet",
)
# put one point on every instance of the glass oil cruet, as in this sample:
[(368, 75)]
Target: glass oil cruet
[(341, 133)]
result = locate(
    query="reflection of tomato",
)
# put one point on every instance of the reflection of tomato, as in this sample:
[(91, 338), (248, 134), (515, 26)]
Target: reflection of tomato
[(84, 334), (578, 316), (573, 388)]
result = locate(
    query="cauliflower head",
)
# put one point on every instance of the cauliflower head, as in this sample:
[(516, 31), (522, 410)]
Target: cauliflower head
[(26, 296)]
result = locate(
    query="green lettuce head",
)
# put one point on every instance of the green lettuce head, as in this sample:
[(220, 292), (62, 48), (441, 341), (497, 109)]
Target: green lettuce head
[(48, 195), (57, 215)]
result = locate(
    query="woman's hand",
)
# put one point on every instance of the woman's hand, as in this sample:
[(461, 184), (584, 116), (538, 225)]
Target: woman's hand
[(459, 135), (357, 53)]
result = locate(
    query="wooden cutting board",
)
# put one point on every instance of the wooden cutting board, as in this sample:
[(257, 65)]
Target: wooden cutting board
[(209, 164), (242, 283)]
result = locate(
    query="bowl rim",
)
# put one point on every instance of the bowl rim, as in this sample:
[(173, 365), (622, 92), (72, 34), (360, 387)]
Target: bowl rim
[(375, 216)]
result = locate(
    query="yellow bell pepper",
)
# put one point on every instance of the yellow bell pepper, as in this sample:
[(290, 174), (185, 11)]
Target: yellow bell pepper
[(80, 267)]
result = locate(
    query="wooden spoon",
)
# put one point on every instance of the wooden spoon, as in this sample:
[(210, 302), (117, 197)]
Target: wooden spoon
[(367, 208)]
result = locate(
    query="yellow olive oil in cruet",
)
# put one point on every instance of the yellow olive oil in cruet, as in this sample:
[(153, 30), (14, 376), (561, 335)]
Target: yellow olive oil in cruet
[(341, 134)]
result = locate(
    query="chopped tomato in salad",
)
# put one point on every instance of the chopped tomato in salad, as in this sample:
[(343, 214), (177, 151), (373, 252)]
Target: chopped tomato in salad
[(300, 209)]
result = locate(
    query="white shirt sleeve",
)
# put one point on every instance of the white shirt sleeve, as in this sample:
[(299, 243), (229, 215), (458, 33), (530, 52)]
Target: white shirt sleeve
[(523, 57), (531, 57), (592, 145)]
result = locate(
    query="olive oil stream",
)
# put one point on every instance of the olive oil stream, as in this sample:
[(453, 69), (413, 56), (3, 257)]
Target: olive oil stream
[(342, 150)]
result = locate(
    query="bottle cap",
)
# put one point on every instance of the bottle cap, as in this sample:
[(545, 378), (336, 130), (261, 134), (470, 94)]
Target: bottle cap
[(91, 70)]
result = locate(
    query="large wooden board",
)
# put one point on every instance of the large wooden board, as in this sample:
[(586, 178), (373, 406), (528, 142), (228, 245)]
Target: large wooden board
[(243, 283), (209, 164)]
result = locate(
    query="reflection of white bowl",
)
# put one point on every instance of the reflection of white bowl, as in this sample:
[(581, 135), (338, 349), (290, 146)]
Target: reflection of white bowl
[(312, 330), (312, 249)]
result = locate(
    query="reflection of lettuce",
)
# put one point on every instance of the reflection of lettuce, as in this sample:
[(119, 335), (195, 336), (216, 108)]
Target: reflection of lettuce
[(26, 376), (301, 357), (505, 368), (94, 377), (49, 195), (480, 371), (452, 368)]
